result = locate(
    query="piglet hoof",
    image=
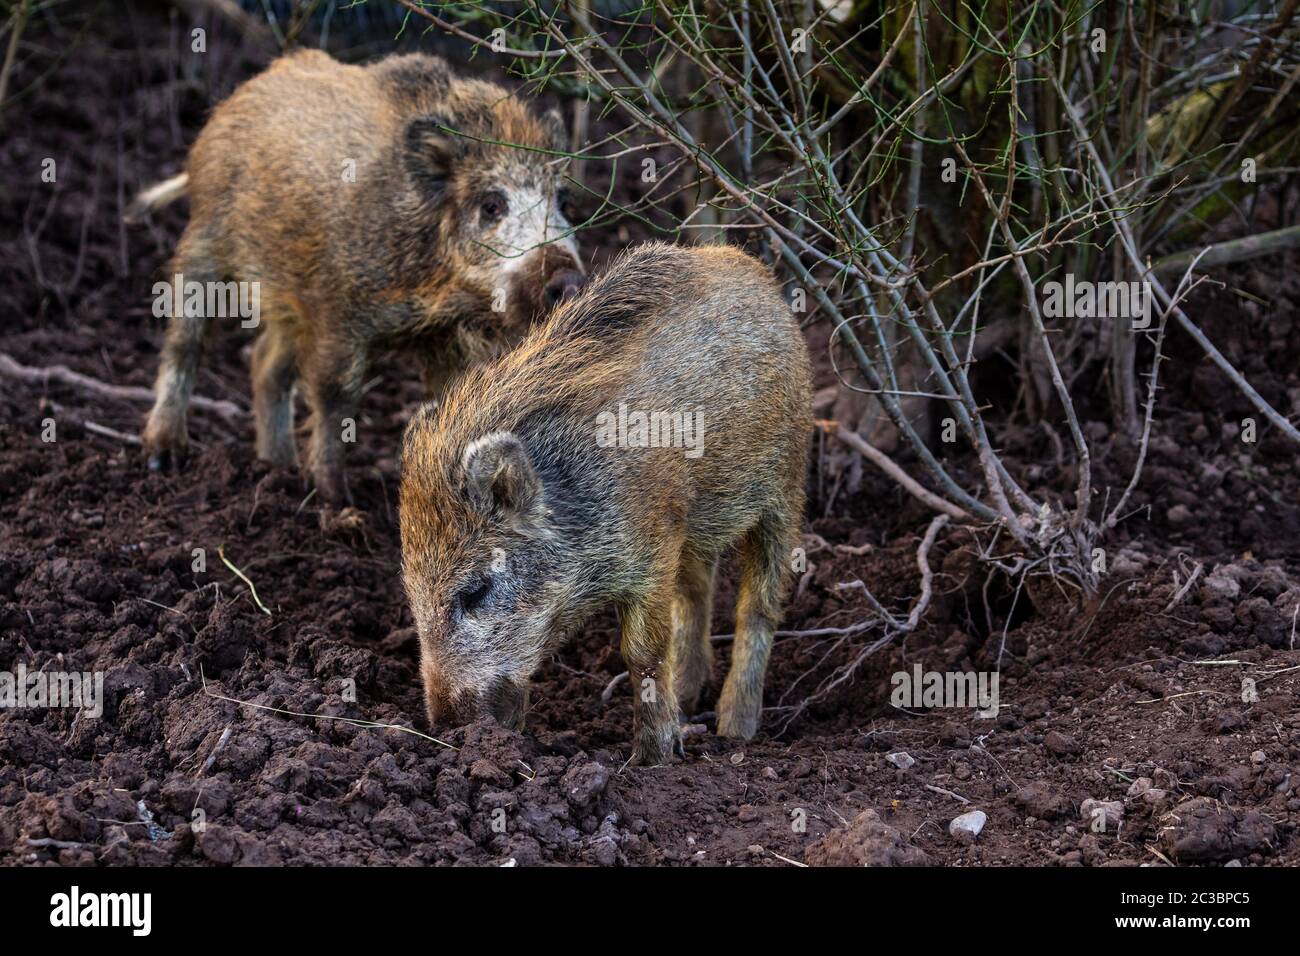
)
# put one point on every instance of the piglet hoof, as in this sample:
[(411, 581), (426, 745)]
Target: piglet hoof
[(656, 746), (163, 456), (165, 442), (739, 716)]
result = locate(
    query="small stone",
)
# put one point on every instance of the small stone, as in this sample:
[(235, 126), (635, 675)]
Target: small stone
[(902, 760), (747, 813), (1259, 757), (1109, 812), (738, 757), (1061, 744), (1179, 514), (967, 827), (770, 774), (1140, 786)]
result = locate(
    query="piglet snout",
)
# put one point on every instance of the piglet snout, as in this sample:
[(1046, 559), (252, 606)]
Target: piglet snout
[(563, 285)]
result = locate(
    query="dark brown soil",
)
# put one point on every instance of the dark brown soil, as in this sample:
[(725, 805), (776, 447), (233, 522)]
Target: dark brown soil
[(1132, 704)]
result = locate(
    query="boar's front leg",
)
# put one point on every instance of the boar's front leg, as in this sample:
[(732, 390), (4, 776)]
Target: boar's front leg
[(646, 646), (332, 380)]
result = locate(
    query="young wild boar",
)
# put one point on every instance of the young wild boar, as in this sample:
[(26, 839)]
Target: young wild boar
[(374, 207), (646, 427)]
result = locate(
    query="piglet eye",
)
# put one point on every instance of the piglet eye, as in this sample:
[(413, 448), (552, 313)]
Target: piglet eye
[(492, 207), (472, 596)]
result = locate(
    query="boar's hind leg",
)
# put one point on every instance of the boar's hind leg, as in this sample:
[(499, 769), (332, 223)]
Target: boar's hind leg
[(692, 649), (274, 372), (332, 379), (763, 555), (166, 434), (647, 647)]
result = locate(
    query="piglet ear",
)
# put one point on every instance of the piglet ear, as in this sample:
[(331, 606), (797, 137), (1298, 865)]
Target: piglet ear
[(556, 134), (500, 480), (433, 150)]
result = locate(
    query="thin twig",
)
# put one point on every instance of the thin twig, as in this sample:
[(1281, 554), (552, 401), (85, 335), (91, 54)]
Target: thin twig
[(885, 464), (221, 552), (66, 376), (354, 721)]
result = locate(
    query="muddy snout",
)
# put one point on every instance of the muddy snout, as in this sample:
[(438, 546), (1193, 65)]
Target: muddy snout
[(551, 276), (563, 285), (505, 702)]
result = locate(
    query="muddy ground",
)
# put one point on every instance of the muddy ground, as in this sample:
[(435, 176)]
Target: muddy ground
[(1136, 705)]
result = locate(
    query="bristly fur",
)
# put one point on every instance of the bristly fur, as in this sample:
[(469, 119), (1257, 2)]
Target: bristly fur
[(702, 331), (353, 196)]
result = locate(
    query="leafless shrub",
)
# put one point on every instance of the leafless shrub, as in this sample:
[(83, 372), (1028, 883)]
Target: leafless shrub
[(919, 173)]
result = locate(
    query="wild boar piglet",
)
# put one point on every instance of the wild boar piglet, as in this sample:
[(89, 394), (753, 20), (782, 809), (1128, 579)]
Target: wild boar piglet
[(657, 420), (393, 205)]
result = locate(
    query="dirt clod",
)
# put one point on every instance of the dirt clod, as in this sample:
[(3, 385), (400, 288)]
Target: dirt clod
[(866, 841), (1202, 830)]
